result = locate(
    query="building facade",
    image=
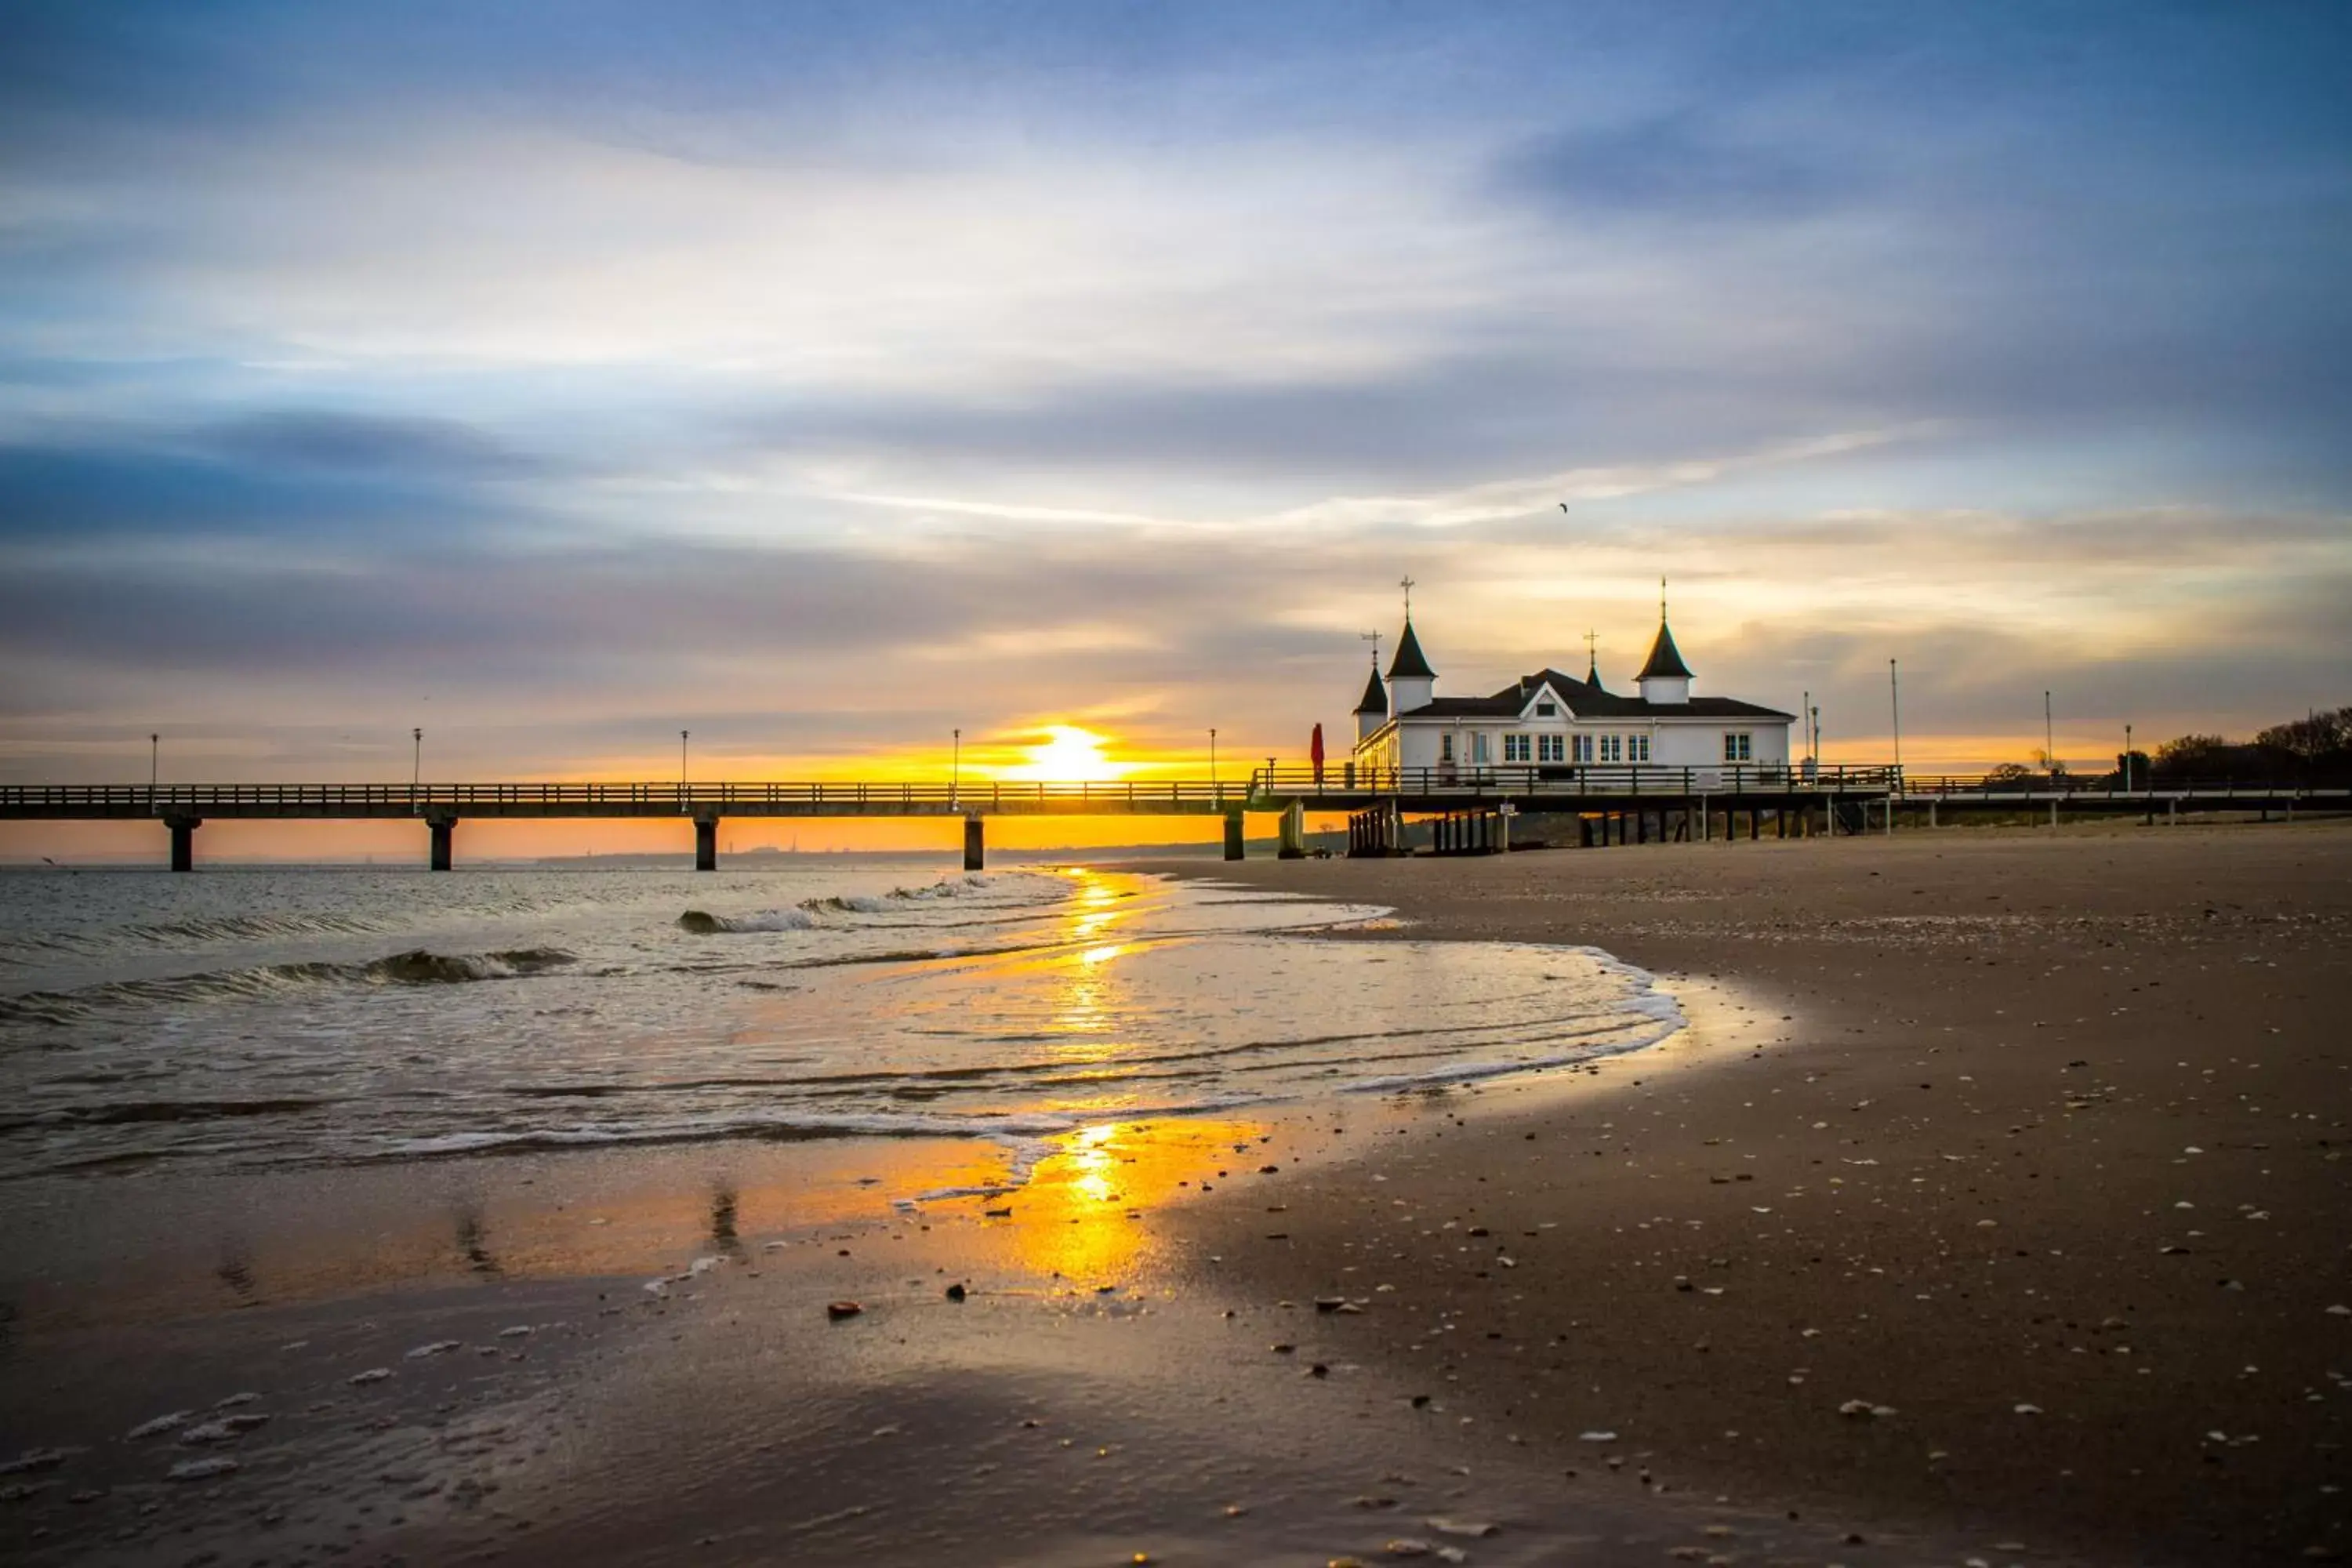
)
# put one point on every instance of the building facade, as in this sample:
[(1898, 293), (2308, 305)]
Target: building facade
[(1555, 723)]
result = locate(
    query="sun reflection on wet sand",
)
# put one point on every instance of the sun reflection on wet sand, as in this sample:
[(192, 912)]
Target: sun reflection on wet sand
[(1082, 1215)]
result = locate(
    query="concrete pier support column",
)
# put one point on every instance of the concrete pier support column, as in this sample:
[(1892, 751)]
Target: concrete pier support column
[(1233, 836), (1755, 829), (183, 840), (705, 842), (2053, 813), (444, 824), (975, 844), (1294, 832)]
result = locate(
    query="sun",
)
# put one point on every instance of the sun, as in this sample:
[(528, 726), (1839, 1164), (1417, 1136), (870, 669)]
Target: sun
[(1067, 755)]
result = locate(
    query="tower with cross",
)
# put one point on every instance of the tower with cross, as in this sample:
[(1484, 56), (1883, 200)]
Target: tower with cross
[(1412, 683)]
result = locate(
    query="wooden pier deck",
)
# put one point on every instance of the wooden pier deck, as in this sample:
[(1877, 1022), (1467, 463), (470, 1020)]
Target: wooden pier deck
[(1680, 802)]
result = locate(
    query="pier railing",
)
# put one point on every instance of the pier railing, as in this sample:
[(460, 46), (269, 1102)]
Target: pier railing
[(1335, 787)]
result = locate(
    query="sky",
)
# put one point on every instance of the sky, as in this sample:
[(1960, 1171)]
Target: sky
[(825, 379)]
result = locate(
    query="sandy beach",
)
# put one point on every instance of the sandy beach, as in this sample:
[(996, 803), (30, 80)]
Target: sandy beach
[(1991, 1206), (2039, 1158)]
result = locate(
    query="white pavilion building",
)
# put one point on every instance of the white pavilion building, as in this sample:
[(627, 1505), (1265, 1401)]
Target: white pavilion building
[(1556, 723)]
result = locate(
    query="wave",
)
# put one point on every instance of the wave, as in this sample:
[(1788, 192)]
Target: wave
[(417, 966), (811, 913), (702, 923)]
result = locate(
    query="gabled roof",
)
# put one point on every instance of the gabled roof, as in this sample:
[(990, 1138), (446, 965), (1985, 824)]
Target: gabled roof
[(1408, 662), (1665, 659), (1376, 696), (1505, 706)]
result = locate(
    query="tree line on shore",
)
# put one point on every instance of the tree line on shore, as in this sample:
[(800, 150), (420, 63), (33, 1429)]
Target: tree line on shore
[(2314, 749)]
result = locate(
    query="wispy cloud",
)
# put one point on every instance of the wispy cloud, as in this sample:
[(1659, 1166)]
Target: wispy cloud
[(839, 377)]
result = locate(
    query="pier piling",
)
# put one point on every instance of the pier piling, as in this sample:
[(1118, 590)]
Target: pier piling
[(1233, 837), (444, 825), (706, 843), (975, 843), (183, 840)]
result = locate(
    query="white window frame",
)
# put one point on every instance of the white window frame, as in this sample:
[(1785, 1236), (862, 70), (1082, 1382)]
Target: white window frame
[(1612, 748), (1738, 746), (1637, 748), (1551, 747), (1517, 749)]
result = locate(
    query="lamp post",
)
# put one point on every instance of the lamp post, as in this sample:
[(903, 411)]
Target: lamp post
[(955, 766), (154, 765), (681, 762), (2128, 759), (2049, 742), (416, 764), (1212, 760), (1895, 698)]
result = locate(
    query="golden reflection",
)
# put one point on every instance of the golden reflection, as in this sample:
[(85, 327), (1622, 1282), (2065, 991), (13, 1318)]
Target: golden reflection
[(1084, 1213)]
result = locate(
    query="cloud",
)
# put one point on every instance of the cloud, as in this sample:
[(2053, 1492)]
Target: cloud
[(827, 376), (1679, 167), (400, 445)]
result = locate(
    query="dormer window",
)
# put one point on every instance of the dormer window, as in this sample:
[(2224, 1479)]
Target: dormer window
[(1547, 709)]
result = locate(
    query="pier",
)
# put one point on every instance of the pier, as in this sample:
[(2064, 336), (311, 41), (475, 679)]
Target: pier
[(1472, 805)]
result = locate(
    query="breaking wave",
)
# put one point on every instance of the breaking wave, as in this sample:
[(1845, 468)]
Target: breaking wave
[(417, 966), (809, 913)]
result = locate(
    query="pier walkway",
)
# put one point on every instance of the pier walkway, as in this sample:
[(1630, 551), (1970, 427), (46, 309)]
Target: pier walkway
[(1474, 805)]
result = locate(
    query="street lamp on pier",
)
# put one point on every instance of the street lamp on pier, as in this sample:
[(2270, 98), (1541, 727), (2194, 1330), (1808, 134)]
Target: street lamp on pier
[(1212, 759), (955, 766), (154, 765), (681, 762), (416, 764), (1895, 698)]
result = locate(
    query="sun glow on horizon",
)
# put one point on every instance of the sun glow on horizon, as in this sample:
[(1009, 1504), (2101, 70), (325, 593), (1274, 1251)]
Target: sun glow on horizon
[(1067, 755)]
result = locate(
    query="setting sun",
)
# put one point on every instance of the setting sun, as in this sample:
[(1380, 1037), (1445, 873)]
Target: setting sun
[(1067, 755)]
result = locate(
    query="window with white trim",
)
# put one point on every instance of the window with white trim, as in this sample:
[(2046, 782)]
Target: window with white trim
[(1445, 747), (1515, 748), (1581, 748), (1547, 709), (1637, 748), (1738, 746), (1612, 748), (1551, 747)]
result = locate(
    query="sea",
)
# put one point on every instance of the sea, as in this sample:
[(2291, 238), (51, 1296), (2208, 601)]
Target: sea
[(284, 1018)]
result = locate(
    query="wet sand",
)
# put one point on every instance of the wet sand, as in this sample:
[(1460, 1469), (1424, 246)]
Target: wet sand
[(2039, 1158), (1922, 1148)]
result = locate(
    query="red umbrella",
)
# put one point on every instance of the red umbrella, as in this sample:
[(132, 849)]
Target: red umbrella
[(1314, 753)]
